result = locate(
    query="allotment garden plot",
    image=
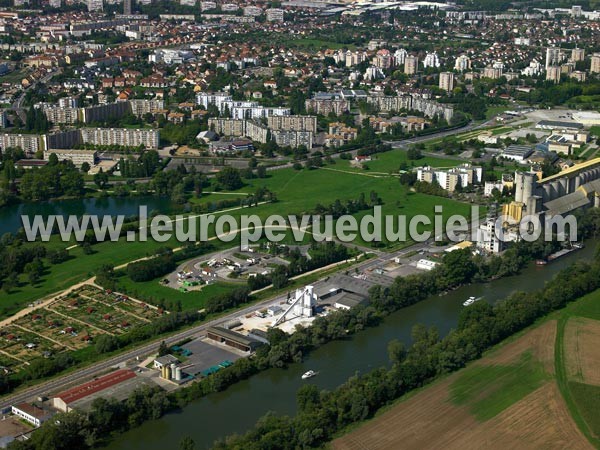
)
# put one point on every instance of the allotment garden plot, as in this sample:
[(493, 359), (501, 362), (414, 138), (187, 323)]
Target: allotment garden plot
[(70, 323)]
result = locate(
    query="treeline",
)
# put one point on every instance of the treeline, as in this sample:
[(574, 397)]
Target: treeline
[(322, 414), (145, 166), (163, 261), (321, 254), (56, 179), (149, 269), (227, 300), (338, 209), (17, 259)]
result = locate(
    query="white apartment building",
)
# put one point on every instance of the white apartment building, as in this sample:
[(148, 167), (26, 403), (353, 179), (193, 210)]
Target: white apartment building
[(205, 99), (254, 11), (95, 5), (431, 60), (400, 56), (462, 63), (274, 15)]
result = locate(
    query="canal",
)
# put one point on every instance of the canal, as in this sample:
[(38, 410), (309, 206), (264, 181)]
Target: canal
[(238, 408), (10, 216)]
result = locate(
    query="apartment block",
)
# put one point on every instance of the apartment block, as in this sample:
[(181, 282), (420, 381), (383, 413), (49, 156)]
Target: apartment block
[(446, 81), (292, 123), (120, 136), (274, 15), (29, 143), (293, 139), (327, 106), (227, 127), (78, 157), (140, 107)]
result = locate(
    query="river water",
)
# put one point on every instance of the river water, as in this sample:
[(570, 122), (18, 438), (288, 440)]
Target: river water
[(237, 409), (10, 216)]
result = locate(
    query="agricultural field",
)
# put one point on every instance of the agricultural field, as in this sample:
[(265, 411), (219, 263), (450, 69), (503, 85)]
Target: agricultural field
[(538, 390), (70, 323)]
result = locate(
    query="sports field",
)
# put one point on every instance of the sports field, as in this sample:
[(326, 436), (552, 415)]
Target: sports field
[(539, 390)]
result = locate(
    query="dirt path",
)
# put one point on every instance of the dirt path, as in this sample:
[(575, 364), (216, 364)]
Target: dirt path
[(44, 303)]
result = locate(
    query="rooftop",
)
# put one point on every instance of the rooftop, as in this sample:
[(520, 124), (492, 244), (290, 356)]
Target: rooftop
[(573, 169), (232, 335), (32, 410), (97, 385), (559, 124)]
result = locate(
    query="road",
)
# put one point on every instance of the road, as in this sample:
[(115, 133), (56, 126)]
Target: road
[(86, 373), (17, 105), (403, 143)]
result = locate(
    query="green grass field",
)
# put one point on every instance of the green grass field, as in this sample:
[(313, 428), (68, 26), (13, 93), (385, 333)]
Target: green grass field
[(489, 390), (153, 292), (297, 192), (389, 162)]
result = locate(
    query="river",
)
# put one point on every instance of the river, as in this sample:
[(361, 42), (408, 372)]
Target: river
[(237, 409), (10, 216)]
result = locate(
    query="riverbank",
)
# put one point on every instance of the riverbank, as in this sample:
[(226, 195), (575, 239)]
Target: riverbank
[(249, 399)]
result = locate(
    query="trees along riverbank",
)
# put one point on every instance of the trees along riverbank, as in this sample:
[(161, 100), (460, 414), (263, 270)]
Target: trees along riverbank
[(427, 359)]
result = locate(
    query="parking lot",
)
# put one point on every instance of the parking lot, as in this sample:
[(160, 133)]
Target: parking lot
[(205, 355)]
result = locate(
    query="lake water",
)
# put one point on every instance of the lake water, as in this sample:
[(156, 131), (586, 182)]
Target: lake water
[(10, 216)]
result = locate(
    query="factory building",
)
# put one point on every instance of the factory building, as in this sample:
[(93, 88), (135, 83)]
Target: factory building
[(573, 188), (68, 400), (233, 339)]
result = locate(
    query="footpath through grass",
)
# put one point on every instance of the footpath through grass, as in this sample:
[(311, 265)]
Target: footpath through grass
[(297, 192)]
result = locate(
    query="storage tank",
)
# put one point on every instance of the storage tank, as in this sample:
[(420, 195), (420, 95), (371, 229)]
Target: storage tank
[(167, 372), (173, 369), (555, 189), (519, 187), (547, 192), (528, 186), (564, 186), (178, 373)]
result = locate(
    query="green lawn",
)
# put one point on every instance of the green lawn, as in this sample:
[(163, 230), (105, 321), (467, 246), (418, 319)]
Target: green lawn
[(489, 390), (297, 192), (493, 111), (389, 162), (588, 307), (153, 292)]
